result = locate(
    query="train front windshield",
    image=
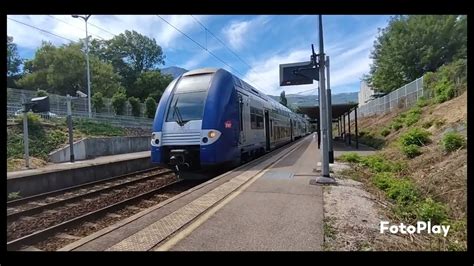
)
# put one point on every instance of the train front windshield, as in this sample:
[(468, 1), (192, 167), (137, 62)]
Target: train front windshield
[(189, 98)]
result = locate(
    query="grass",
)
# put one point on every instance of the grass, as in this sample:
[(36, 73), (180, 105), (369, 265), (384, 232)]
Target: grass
[(415, 136), (452, 141), (411, 151), (92, 128), (14, 195), (351, 157), (385, 132)]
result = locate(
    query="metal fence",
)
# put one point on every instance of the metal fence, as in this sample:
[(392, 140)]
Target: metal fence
[(58, 109), (400, 98)]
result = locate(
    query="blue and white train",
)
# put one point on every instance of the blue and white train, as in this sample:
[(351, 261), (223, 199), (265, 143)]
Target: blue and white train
[(209, 117)]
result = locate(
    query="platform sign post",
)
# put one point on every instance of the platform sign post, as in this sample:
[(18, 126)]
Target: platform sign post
[(69, 126)]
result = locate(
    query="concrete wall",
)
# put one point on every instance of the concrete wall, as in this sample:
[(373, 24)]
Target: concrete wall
[(94, 147), (45, 182)]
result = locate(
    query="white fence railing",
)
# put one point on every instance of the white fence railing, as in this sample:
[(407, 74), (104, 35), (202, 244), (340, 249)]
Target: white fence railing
[(79, 109), (400, 98)]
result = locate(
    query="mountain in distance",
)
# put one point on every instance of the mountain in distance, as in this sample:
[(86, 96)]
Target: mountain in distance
[(312, 100), (173, 71)]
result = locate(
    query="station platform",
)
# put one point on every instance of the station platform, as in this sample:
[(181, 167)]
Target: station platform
[(266, 205), (61, 175)]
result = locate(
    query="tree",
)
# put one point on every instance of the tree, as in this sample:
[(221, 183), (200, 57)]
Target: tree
[(135, 103), (41, 93), (13, 62), (62, 70), (283, 99), (413, 45), (150, 83), (118, 102), (130, 53), (150, 106), (98, 101)]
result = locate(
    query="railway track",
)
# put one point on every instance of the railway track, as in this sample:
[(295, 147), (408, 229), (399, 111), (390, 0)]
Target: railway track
[(38, 219)]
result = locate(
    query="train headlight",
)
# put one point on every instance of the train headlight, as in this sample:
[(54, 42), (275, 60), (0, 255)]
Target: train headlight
[(212, 134), (155, 138)]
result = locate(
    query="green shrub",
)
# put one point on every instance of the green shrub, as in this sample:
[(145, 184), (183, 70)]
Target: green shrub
[(411, 151), (383, 180), (444, 82), (385, 131), (93, 128), (422, 102), (118, 102), (135, 103), (350, 157), (412, 116), (98, 101), (150, 106), (396, 125), (402, 191), (377, 163), (415, 136), (429, 210), (372, 141), (452, 141), (41, 93)]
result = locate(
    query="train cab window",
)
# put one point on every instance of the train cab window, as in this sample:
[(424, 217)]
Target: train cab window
[(188, 99)]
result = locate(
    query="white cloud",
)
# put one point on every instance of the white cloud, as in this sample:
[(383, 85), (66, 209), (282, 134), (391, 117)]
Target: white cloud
[(149, 25), (240, 32)]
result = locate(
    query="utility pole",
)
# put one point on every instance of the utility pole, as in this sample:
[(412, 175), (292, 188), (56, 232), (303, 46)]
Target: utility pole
[(325, 177), (329, 96), (85, 18)]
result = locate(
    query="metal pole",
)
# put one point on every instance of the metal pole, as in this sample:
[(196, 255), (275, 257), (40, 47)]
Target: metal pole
[(357, 130), (329, 114), (349, 125), (344, 127), (25, 134), (69, 125), (325, 177), (88, 71)]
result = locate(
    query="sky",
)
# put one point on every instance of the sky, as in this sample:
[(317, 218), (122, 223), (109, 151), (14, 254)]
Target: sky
[(250, 46)]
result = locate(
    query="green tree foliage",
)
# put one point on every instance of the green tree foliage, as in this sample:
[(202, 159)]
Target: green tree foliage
[(283, 99), (41, 93), (150, 106), (98, 101), (118, 102), (135, 103), (150, 83), (62, 70), (13, 62), (130, 53), (413, 45)]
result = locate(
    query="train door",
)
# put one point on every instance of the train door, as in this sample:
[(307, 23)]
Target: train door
[(242, 120), (291, 130), (267, 130)]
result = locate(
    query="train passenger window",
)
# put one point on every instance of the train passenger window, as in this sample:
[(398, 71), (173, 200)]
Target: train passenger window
[(256, 118)]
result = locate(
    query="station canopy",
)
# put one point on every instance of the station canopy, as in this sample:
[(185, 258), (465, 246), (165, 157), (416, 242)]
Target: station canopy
[(337, 110)]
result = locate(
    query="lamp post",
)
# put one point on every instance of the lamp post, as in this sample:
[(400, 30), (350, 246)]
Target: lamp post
[(85, 18)]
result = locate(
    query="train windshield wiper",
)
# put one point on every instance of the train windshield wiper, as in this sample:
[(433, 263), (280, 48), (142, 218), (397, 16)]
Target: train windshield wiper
[(179, 118)]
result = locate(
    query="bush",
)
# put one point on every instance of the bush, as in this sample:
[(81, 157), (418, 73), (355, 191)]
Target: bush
[(93, 128), (396, 125), (350, 157), (150, 106), (98, 101), (422, 102), (427, 124), (402, 191), (118, 102), (41, 93), (412, 116), (383, 180), (429, 210), (385, 131), (452, 141), (411, 151), (445, 82), (377, 163), (135, 103), (415, 136)]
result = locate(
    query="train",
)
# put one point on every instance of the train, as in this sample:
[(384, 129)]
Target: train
[(209, 117)]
